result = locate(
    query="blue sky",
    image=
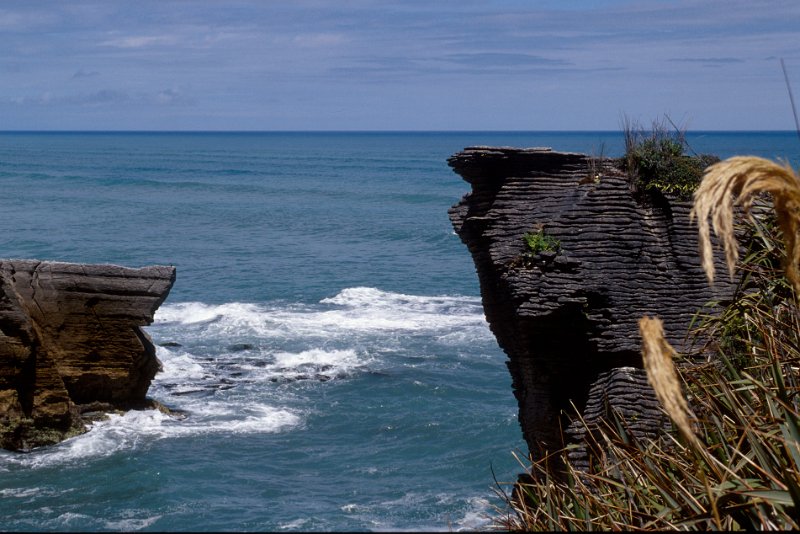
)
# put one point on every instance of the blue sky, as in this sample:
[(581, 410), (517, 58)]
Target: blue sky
[(402, 65)]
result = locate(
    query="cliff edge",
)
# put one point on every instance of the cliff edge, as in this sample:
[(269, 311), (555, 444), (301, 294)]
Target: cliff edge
[(71, 344), (566, 315)]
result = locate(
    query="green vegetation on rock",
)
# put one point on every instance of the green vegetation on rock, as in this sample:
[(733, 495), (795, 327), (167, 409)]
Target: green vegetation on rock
[(540, 242), (655, 159)]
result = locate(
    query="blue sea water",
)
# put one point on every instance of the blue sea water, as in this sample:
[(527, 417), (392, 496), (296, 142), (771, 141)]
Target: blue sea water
[(325, 333)]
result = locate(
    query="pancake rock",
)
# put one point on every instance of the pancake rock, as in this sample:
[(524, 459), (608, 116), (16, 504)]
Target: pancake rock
[(71, 343), (567, 315)]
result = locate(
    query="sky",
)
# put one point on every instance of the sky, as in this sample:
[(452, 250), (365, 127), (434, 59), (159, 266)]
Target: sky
[(396, 65)]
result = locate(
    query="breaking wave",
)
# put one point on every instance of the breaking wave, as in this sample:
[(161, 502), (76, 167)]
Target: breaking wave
[(229, 368)]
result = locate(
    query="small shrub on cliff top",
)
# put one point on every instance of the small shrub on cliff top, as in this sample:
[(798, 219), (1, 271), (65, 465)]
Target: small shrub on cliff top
[(733, 462), (655, 160)]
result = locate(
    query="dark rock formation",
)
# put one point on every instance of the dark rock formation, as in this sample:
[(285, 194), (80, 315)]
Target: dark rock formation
[(71, 343), (567, 318)]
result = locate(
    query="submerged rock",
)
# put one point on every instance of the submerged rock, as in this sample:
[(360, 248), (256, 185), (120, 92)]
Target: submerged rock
[(567, 317), (71, 342), (241, 347)]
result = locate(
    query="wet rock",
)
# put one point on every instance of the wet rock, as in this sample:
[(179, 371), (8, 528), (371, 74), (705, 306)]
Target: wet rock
[(239, 347)]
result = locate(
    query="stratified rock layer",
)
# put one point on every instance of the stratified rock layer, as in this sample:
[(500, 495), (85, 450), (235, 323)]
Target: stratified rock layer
[(568, 319), (70, 341)]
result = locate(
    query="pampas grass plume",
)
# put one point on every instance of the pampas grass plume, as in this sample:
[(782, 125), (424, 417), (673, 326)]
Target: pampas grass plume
[(657, 356), (737, 181)]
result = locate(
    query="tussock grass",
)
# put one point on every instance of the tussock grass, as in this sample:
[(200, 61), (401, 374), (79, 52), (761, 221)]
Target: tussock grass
[(732, 461), (656, 159), (657, 356), (738, 181)]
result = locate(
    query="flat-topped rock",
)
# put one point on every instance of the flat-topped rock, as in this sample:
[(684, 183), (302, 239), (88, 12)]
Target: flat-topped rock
[(568, 318), (71, 339)]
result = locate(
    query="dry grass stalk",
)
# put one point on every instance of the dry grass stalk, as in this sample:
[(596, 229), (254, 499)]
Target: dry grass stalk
[(737, 181), (657, 355)]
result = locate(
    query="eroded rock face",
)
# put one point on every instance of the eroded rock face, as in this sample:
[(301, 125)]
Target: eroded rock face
[(567, 318), (71, 342)]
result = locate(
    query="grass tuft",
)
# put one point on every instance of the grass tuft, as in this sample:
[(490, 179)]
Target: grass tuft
[(737, 182), (657, 355), (655, 159)]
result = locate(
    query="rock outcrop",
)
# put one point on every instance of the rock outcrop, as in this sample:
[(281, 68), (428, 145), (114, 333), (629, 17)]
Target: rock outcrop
[(71, 343), (567, 317)]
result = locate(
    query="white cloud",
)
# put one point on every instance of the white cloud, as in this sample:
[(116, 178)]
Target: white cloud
[(141, 41), (106, 98), (319, 40), (25, 20)]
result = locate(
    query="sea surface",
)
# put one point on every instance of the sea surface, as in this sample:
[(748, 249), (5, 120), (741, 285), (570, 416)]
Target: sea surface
[(325, 333)]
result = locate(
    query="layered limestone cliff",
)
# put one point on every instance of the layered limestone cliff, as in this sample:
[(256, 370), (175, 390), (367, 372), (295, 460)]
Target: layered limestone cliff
[(71, 343), (567, 317)]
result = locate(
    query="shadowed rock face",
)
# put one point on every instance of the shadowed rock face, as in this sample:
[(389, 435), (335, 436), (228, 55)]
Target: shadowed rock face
[(568, 319), (70, 341)]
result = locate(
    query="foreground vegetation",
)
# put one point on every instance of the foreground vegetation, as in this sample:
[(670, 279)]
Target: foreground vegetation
[(733, 459)]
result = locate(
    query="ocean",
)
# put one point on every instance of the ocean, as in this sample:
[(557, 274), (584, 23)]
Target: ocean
[(325, 333)]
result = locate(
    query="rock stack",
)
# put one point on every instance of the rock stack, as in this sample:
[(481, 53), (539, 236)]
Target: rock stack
[(567, 316), (71, 343)]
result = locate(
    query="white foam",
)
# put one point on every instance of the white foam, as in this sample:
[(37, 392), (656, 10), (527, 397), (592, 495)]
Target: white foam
[(467, 336), (178, 366), (373, 296), (130, 524), (198, 312), (353, 310), (69, 516), (20, 493), (476, 518), (223, 416), (371, 308), (183, 374), (293, 525), (314, 364), (476, 514), (184, 313), (321, 363), (128, 431)]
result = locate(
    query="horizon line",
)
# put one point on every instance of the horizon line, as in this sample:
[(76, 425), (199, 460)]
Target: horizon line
[(375, 131)]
